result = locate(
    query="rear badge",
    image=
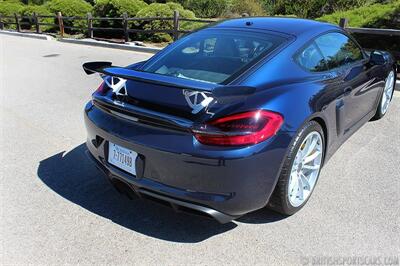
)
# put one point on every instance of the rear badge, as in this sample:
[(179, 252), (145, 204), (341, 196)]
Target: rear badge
[(118, 85), (197, 100)]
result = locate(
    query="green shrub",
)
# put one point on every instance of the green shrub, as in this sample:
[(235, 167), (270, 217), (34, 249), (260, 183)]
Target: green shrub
[(250, 7), (8, 8), (30, 9), (11, 1), (341, 5), (372, 16), (70, 8), (92, 2), (165, 10), (184, 13), (299, 8), (207, 8), (115, 8), (35, 2), (311, 8), (39, 10)]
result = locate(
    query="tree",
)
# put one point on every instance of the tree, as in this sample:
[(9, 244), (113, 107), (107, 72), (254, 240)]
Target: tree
[(165, 10), (207, 8)]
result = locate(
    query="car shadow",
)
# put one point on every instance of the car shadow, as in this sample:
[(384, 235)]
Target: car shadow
[(261, 216), (73, 176)]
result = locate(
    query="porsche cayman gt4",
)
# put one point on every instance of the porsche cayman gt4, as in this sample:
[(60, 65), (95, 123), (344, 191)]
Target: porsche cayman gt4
[(237, 116)]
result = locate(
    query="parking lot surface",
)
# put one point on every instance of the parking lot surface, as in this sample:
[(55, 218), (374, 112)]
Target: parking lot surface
[(56, 207)]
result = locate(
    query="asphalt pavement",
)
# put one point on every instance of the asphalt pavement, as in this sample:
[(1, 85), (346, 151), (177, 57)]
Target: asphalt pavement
[(57, 208)]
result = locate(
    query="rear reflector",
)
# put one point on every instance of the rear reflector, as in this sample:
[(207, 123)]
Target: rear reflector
[(240, 129)]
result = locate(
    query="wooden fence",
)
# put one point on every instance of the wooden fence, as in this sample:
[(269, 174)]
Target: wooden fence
[(36, 21), (343, 23)]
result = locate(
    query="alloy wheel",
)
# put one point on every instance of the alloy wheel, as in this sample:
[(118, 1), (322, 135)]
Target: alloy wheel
[(305, 169), (387, 92)]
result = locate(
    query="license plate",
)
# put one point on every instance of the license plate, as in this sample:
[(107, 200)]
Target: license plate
[(122, 158)]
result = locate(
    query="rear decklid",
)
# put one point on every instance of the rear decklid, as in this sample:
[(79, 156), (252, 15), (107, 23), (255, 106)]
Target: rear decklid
[(168, 98)]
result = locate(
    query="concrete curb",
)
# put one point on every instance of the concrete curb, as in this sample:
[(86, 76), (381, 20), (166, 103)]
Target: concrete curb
[(129, 47), (152, 50), (27, 35), (397, 88)]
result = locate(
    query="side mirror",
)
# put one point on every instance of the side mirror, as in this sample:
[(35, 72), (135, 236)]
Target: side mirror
[(377, 58)]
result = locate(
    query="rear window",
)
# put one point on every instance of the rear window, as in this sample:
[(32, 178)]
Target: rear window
[(213, 56)]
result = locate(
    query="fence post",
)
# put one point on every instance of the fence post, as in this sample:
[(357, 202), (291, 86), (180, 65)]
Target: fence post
[(343, 23), (176, 25), (1, 24), (60, 23), (125, 25), (36, 20), (17, 22), (90, 25)]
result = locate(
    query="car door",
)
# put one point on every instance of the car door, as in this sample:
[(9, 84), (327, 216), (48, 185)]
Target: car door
[(347, 61)]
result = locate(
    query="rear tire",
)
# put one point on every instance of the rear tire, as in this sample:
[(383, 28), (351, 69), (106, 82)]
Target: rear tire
[(386, 96), (284, 198)]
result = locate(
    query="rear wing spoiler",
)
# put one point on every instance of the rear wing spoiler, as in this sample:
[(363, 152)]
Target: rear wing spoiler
[(224, 94)]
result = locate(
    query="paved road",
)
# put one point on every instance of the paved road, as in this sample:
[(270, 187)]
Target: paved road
[(57, 208)]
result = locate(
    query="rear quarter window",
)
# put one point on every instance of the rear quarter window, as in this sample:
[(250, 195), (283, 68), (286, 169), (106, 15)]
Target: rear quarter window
[(311, 59)]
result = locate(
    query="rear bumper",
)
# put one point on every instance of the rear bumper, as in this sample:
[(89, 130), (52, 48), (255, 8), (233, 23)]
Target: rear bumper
[(220, 182), (141, 192)]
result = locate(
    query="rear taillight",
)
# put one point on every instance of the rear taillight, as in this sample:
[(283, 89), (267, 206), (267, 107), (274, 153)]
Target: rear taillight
[(239, 129)]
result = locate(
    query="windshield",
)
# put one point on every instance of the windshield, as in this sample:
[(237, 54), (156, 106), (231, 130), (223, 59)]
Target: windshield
[(213, 55)]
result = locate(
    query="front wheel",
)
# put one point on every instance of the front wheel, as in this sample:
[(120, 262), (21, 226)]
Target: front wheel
[(300, 171)]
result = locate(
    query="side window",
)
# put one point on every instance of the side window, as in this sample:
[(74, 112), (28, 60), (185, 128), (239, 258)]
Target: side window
[(311, 59), (338, 49)]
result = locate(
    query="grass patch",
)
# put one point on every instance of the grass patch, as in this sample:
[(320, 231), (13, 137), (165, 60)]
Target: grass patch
[(371, 16)]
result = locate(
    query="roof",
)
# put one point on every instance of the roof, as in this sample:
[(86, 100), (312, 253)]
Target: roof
[(293, 26)]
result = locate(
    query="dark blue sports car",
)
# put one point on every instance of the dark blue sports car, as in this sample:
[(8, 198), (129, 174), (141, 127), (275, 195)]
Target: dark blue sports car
[(237, 116)]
